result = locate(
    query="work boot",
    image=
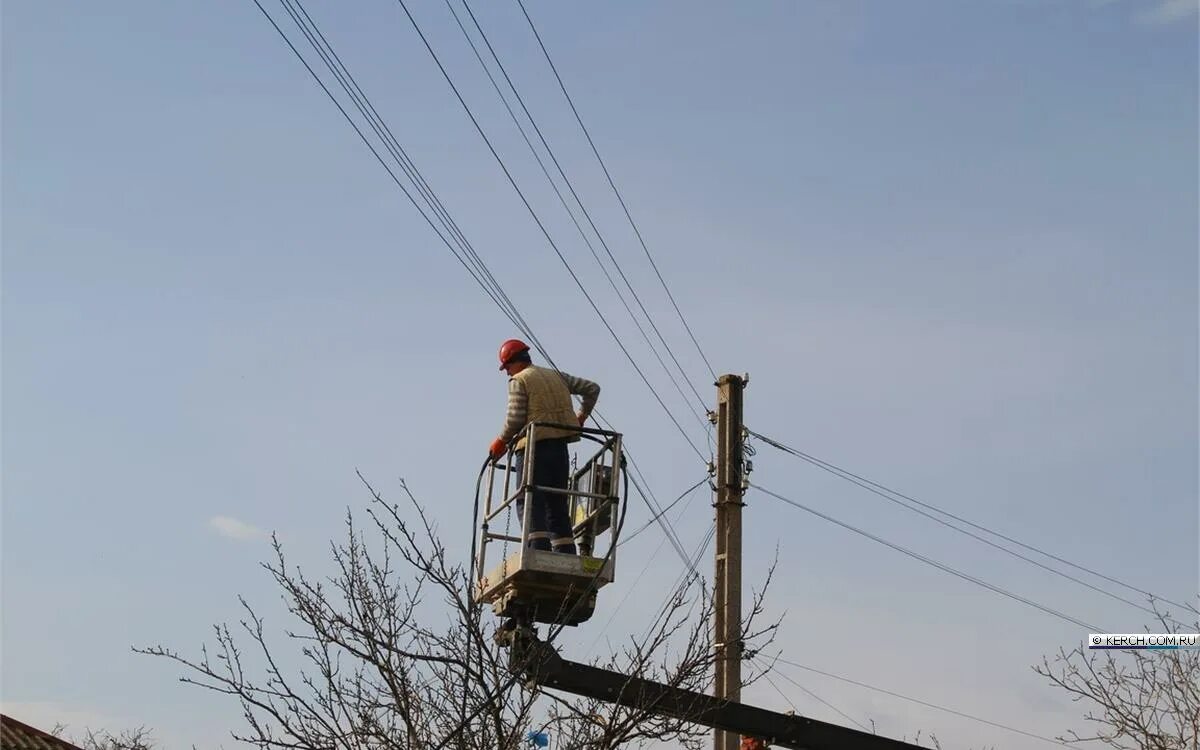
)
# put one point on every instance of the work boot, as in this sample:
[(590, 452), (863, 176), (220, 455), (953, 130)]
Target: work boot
[(565, 546)]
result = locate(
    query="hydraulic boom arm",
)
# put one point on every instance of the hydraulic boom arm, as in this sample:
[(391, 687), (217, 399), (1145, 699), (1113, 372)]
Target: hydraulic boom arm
[(539, 663)]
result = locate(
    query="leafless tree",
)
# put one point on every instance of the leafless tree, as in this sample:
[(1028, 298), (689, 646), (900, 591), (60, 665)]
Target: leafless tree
[(1136, 700), (140, 738), (394, 655), (129, 739), (683, 622), (936, 744)]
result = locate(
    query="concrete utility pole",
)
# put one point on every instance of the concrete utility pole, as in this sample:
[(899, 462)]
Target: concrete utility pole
[(727, 584)]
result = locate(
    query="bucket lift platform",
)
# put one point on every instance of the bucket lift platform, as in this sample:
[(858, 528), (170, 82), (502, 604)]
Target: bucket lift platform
[(550, 587), (532, 586)]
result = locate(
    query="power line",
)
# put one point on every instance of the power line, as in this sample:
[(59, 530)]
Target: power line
[(658, 516), (362, 102), (367, 109), (807, 692), (570, 212), (930, 561), (650, 561), (617, 192), (663, 512), (574, 194), (892, 495), (509, 309), (684, 580), (480, 279), (537, 220), (977, 537), (480, 273), (787, 700), (926, 704), (676, 590), (652, 501), (477, 268)]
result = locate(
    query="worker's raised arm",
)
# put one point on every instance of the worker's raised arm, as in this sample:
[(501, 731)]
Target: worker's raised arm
[(589, 391)]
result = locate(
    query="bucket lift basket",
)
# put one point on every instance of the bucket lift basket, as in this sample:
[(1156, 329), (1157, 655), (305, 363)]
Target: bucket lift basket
[(541, 586)]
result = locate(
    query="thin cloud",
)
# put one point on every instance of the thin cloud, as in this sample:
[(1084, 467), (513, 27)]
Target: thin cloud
[(1157, 12), (1170, 11), (232, 528)]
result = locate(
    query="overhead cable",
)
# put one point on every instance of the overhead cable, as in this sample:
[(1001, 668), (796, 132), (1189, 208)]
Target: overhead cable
[(545, 232), (479, 273), (616, 192), (570, 186), (629, 537), (571, 212), (313, 34), (648, 494), (930, 561), (688, 566), (759, 662), (689, 576), (916, 701), (480, 278), (899, 498), (657, 516)]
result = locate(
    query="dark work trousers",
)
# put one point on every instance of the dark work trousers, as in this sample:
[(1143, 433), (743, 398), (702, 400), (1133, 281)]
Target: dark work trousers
[(550, 520)]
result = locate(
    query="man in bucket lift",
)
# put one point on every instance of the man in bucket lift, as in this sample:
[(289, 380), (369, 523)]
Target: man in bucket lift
[(539, 394)]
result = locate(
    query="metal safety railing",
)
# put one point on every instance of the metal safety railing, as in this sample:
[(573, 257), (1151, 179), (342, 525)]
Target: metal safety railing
[(592, 490)]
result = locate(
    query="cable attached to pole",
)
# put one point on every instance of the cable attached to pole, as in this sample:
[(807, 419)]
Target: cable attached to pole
[(930, 561), (899, 498)]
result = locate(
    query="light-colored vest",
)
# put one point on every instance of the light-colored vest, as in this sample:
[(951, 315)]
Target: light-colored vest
[(549, 400)]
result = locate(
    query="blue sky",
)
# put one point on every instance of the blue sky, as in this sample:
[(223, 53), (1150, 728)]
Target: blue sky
[(954, 244)]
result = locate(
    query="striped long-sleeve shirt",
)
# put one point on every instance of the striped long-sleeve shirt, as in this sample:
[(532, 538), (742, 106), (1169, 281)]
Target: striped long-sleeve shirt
[(518, 401)]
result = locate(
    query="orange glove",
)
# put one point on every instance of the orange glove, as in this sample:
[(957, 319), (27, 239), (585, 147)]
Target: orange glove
[(497, 448), (583, 418)]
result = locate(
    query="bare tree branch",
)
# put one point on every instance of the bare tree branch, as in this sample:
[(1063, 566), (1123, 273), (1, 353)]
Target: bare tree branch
[(1136, 700), (363, 664)]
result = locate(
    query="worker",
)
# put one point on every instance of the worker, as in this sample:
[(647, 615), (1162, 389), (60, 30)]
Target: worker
[(752, 743), (543, 395)]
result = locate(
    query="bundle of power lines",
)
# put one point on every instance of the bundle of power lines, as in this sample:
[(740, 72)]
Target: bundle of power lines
[(312, 48)]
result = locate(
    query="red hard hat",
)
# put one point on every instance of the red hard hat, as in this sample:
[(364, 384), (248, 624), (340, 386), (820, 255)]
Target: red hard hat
[(510, 349)]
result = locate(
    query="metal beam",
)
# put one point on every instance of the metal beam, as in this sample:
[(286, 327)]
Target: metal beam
[(541, 664)]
